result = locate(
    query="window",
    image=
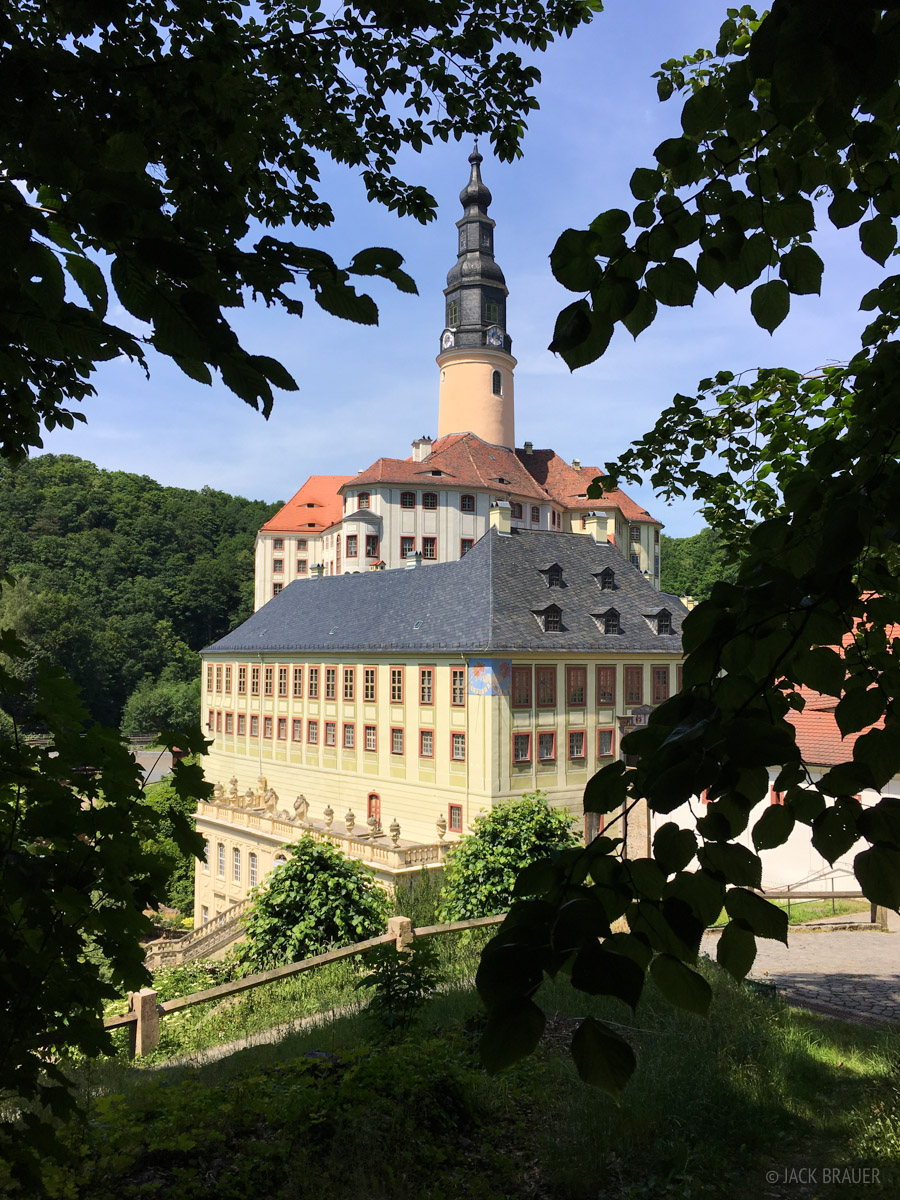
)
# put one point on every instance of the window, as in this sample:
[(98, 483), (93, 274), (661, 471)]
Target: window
[(267, 727), (236, 865), (426, 685), (269, 681), (301, 566), (371, 738), (368, 683), (609, 621), (458, 747), (297, 730), (206, 856), (352, 544), (606, 685), (373, 806), (282, 681), (277, 565), (204, 914), (465, 546), (209, 677), (604, 743), (452, 313), (330, 683), (407, 499), (362, 500), (550, 619), (210, 719), (426, 743), (229, 723), (429, 500), (535, 515), (554, 576), (396, 685), (454, 814), (467, 504), (521, 747), (313, 683), (576, 686), (301, 544), (220, 860), (491, 309), (635, 533), (298, 683), (396, 741), (636, 561), (278, 544), (218, 678), (282, 729), (515, 511), (349, 737), (607, 580), (496, 383), (429, 547), (242, 725), (634, 685), (458, 686), (521, 687), (228, 679), (254, 727), (242, 681), (546, 687), (312, 732), (546, 746), (252, 870), (277, 588), (656, 564), (576, 743), (660, 684), (218, 722), (371, 545), (330, 733), (663, 622), (407, 546)]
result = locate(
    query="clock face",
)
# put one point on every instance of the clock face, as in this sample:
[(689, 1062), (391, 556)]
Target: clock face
[(495, 336), (447, 340)]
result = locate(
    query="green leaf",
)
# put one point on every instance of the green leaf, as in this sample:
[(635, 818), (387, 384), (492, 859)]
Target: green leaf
[(41, 277), (882, 822), (193, 368), (878, 751), (703, 894), (274, 372), (342, 301), (836, 830), (673, 283), (511, 1032), (607, 790), (376, 260), (680, 985), (642, 315), (878, 238), (847, 207), (801, 269), (736, 951), (760, 916), (673, 847), (573, 259), (774, 827), (704, 112), (601, 1057), (608, 228), (770, 304), (90, 279), (878, 872), (645, 183), (821, 669), (710, 270), (732, 863), (858, 709), (600, 972)]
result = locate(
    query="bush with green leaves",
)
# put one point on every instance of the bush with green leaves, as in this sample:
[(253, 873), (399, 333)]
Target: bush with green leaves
[(317, 900), (481, 872), (401, 982)]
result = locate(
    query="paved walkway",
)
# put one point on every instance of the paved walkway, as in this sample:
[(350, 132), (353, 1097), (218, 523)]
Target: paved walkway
[(854, 975)]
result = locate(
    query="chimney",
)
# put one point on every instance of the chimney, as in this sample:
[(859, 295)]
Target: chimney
[(317, 571), (576, 463), (529, 449), (596, 524), (413, 560), (500, 517), (421, 448)]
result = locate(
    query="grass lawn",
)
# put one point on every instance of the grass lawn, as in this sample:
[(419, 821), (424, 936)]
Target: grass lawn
[(815, 910), (335, 1114)]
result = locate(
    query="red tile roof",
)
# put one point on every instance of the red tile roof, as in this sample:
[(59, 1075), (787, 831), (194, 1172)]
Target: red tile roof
[(819, 738), (568, 485), (316, 506)]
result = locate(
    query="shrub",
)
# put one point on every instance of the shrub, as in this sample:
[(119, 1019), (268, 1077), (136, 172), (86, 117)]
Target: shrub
[(401, 982)]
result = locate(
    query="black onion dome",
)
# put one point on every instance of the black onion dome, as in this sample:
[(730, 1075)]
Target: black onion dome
[(475, 194)]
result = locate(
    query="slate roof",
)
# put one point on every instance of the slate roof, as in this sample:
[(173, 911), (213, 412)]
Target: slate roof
[(484, 603), (320, 491), (568, 485)]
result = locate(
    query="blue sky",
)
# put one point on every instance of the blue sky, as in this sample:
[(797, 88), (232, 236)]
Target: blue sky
[(366, 392)]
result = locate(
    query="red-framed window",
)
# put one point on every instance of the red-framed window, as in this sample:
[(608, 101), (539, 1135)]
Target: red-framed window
[(278, 543), (352, 546), (254, 727), (429, 547), (298, 683), (515, 511), (577, 745), (282, 729), (278, 565), (301, 544), (426, 743), (426, 685), (465, 545), (458, 687), (229, 722), (362, 500), (371, 738), (660, 684), (297, 730), (282, 681), (576, 686), (242, 725), (429, 500), (546, 745), (313, 690), (546, 687), (535, 515), (407, 499), (457, 747), (373, 806), (396, 739), (521, 747), (210, 719), (454, 818), (331, 683), (371, 545), (331, 733), (267, 727), (242, 681), (301, 566), (312, 733), (522, 687), (349, 741), (634, 685), (218, 722), (209, 677), (218, 677), (228, 680), (605, 742), (396, 685), (407, 546), (349, 683), (606, 685), (370, 676), (634, 533), (467, 504), (268, 681)]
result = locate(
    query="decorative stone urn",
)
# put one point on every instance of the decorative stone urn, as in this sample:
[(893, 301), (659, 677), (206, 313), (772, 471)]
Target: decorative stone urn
[(395, 831), (329, 816), (441, 826), (350, 820)]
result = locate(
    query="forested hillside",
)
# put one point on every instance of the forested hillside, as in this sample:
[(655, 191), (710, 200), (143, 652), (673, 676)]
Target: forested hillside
[(691, 565), (121, 580)]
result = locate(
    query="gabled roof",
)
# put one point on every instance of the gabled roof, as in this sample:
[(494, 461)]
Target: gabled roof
[(568, 485), (481, 603), (320, 492)]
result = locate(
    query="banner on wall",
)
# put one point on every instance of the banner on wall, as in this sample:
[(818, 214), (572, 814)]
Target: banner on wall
[(490, 676)]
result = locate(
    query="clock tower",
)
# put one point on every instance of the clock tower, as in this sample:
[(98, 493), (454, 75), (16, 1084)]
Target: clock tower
[(475, 361)]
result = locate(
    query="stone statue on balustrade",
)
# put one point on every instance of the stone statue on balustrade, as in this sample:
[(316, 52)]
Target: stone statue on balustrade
[(218, 794), (233, 796), (270, 801), (249, 800), (301, 808)]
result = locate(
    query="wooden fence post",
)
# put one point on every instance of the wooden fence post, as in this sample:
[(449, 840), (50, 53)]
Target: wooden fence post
[(144, 1032), (402, 930)]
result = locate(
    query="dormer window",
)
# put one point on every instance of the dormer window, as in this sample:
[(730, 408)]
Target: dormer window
[(362, 500), (550, 618), (429, 500), (607, 580), (553, 574), (407, 499), (496, 383), (608, 622), (663, 621)]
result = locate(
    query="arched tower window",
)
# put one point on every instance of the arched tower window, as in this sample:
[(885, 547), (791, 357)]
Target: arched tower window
[(362, 500), (497, 383)]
